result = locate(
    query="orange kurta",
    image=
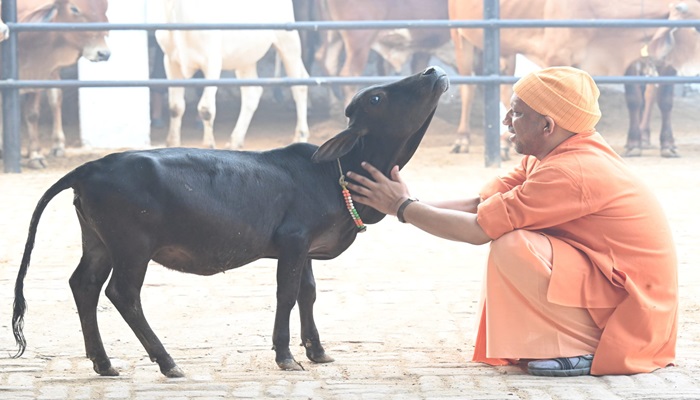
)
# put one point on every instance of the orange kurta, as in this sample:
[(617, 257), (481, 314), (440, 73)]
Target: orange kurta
[(586, 200)]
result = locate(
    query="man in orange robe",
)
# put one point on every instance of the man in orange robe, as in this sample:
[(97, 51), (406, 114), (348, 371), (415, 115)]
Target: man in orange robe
[(582, 271)]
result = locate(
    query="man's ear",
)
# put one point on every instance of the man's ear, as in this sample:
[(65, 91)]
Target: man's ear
[(549, 125)]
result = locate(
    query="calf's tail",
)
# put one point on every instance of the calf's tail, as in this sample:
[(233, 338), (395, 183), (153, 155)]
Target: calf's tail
[(20, 305)]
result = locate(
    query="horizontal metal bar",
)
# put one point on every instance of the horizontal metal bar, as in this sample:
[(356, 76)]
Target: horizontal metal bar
[(332, 25), (312, 81)]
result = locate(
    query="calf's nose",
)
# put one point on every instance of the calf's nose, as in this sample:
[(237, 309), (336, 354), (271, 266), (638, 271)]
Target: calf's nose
[(434, 70)]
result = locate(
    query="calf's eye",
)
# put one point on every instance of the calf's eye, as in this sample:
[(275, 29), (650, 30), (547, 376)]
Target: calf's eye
[(374, 100)]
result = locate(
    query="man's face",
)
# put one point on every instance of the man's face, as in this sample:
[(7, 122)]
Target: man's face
[(526, 127)]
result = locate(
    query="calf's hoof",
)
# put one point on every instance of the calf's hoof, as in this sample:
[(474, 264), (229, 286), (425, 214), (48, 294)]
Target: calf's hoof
[(290, 364), (106, 371), (174, 372), (320, 358), (315, 352)]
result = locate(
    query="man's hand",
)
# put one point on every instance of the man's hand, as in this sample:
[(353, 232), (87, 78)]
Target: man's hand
[(454, 220), (381, 193)]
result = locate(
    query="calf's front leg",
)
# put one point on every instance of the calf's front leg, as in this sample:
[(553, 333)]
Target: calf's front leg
[(291, 262)]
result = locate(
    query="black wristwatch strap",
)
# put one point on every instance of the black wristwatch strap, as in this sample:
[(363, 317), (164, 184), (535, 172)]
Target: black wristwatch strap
[(402, 208)]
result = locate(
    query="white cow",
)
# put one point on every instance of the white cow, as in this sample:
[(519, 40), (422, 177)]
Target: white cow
[(4, 30), (212, 51)]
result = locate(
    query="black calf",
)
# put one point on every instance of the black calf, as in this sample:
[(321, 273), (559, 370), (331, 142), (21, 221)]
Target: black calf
[(207, 211)]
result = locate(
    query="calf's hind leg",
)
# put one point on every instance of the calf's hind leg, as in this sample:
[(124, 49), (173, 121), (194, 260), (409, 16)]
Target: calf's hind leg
[(124, 291), (309, 334), (86, 283)]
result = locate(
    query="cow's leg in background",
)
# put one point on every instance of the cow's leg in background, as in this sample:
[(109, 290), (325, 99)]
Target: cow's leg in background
[(176, 103), (650, 100), (30, 117), (464, 57), (665, 103), (640, 99), (58, 136), (86, 284), (289, 49), (309, 334), (646, 67), (356, 56), (634, 97), (328, 57), (207, 103), (250, 99)]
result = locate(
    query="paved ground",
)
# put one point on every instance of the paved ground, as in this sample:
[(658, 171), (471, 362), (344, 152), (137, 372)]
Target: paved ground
[(397, 310)]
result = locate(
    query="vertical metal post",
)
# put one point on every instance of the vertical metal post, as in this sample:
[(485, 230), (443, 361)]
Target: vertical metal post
[(11, 145), (492, 51)]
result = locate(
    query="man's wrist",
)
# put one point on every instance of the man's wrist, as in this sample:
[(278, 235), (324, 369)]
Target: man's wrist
[(402, 208)]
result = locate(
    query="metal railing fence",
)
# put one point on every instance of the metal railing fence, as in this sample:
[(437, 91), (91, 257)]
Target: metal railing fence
[(10, 84)]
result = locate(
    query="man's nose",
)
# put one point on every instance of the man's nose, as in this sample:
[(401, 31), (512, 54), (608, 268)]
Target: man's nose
[(506, 119)]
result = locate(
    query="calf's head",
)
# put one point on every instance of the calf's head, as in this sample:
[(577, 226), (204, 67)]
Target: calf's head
[(387, 122)]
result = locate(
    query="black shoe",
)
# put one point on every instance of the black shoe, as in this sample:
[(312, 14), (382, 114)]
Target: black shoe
[(563, 366)]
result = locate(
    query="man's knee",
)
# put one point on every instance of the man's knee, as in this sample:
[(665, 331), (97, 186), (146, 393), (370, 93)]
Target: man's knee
[(509, 243), (518, 248)]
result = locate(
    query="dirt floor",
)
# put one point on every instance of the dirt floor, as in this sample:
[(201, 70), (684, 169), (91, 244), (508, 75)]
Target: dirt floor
[(396, 310)]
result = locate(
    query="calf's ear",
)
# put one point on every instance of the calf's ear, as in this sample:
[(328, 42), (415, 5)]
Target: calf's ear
[(337, 146)]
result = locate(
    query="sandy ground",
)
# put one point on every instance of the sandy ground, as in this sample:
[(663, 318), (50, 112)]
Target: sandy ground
[(396, 310)]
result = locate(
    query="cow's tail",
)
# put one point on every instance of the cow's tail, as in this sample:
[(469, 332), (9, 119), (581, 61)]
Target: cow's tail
[(20, 305)]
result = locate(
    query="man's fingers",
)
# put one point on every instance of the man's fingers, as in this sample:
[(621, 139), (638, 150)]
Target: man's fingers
[(395, 175), (357, 188), (362, 180), (360, 192), (376, 174)]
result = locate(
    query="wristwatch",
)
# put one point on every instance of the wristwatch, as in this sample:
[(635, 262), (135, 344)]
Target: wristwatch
[(402, 208)]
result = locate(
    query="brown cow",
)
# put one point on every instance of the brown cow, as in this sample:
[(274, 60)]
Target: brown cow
[(604, 51), (394, 45), (42, 54)]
